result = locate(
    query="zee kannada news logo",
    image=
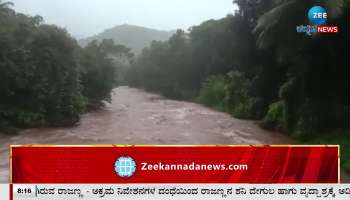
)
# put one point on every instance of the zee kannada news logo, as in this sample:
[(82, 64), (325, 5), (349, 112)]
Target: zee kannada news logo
[(317, 16)]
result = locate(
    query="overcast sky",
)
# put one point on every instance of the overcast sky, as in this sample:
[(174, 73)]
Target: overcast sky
[(84, 18)]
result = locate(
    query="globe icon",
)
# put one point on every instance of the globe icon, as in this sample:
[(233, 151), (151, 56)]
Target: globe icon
[(125, 166)]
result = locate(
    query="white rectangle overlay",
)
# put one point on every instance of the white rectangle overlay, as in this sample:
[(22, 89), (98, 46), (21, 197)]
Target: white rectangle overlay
[(5, 191)]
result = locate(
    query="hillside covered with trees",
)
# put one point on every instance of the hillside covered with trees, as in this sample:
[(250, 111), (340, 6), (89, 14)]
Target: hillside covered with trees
[(46, 79), (134, 37), (254, 65)]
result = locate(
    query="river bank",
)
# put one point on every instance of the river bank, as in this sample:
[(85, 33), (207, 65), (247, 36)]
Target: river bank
[(138, 117)]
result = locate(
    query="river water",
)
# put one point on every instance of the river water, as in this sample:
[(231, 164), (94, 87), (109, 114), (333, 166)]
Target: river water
[(137, 117)]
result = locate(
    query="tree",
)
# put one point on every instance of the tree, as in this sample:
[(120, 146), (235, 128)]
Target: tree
[(5, 8), (46, 79), (265, 65), (39, 79), (99, 64)]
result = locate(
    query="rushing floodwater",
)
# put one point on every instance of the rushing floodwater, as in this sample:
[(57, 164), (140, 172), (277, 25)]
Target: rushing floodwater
[(138, 117)]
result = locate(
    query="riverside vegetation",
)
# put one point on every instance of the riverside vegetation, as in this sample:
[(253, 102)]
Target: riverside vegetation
[(254, 65), (46, 79)]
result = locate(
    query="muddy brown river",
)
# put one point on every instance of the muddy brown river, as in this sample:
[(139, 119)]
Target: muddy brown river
[(137, 117)]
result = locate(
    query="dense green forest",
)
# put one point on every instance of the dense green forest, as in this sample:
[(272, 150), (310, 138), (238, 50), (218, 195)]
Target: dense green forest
[(253, 64), (46, 79)]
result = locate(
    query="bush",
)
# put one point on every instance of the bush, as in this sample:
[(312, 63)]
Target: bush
[(230, 94), (246, 110), (240, 103), (275, 117), (213, 93)]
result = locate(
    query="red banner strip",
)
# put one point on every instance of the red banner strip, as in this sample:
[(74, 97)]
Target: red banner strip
[(157, 164)]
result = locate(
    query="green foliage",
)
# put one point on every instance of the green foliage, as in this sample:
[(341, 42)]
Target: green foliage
[(254, 64), (39, 74), (99, 63), (275, 117), (229, 93), (213, 93), (45, 78), (239, 101), (313, 92), (251, 64), (164, 68)]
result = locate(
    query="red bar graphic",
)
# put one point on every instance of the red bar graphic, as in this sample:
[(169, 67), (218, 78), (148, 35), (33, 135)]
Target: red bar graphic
[(175, 164)]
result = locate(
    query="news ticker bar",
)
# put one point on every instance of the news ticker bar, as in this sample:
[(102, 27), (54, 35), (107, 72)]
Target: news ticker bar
[(5, 191), (174, 164), (180, 191)]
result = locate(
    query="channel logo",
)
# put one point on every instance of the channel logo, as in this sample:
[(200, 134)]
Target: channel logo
[(317, 17)]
